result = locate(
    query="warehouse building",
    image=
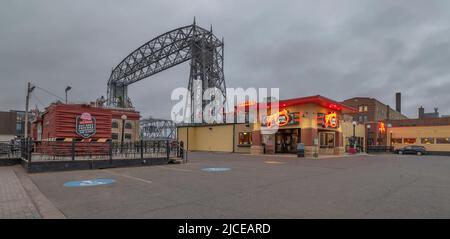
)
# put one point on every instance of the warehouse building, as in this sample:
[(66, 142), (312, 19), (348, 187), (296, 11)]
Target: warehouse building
[(87, 123)]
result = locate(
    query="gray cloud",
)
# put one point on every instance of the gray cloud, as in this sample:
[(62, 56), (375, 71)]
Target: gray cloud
[(339, 49)]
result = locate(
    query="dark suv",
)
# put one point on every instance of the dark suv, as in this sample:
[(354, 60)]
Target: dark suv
[(412, 149)]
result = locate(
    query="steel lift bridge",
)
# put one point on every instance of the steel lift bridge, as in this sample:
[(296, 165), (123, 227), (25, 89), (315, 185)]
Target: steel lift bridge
[(160, 129), (203, 49)]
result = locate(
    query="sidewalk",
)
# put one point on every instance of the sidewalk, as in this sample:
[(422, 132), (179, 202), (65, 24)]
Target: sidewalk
[(287, 155), (14, 201), (21, 199)]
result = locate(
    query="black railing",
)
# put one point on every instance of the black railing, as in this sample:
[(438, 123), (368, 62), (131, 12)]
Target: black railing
[(78, 150), (10, 149)]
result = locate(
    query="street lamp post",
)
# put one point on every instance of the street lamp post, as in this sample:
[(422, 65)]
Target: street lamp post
[(354, 135), (368, 135), (67, 90), (124, 118)]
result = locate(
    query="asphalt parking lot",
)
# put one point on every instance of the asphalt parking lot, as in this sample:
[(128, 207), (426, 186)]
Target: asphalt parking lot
[(246, 186)]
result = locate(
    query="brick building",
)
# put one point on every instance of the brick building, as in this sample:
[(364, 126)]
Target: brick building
[(7, 125), (63, 122), (373, 114)]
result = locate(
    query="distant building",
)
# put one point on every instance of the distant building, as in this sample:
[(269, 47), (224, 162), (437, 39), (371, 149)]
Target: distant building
[(423, 115), (371, 112), (7, 126), (12, 124), (432, 133)]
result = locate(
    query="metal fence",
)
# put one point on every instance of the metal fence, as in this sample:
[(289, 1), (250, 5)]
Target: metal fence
[(10, 149), (77, 150)]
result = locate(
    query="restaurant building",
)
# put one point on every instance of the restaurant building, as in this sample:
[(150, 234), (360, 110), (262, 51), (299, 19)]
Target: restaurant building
[(315, 121)]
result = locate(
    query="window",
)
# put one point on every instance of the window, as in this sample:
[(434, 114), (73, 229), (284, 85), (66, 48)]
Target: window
[(127, 136), (397, 140), (443, 140), (365, 118), (326, 140), (128, 125), (360, 118), (409, 140), (363, 108), (115, 136), (245, 138), (427, 140), (115, 125)]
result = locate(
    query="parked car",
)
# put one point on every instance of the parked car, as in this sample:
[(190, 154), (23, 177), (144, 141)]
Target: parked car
[(412, 149)]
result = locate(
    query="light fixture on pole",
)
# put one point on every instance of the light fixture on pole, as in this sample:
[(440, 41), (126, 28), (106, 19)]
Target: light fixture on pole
[(368, 135), (124, 118), (66, 90), (354, 135)]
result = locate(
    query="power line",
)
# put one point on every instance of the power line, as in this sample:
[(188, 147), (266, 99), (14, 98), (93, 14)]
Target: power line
[(50, 93), (39, 101)]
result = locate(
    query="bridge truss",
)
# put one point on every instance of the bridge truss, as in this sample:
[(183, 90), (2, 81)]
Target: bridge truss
[(158, 129), (204, 50)]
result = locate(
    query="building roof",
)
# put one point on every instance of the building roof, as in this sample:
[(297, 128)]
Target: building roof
[(374, 100), (315, 99)]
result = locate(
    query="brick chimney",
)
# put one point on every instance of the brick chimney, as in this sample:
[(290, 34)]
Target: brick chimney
[(398, 102)]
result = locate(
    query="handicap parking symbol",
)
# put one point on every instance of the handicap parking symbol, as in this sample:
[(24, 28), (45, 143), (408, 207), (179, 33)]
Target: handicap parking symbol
[(89, 183), (216, 169)]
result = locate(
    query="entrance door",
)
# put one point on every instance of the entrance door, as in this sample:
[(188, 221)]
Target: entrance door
[(286, 140)]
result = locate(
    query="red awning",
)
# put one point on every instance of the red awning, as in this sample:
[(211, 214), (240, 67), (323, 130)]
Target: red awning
[(317, 99)]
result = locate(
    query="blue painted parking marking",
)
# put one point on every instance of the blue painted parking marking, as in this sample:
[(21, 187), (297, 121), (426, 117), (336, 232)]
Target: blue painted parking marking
[(216, 169), (89, 183)]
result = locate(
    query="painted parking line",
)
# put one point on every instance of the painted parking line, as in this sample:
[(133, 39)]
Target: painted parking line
[(176, 169), (128, 176)]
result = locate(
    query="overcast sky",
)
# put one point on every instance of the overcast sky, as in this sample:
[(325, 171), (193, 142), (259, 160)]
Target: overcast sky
[(338, 49)]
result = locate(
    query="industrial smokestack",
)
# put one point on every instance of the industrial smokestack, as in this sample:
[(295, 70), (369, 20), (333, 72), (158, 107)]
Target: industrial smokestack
[(421, 112), (398, 102)]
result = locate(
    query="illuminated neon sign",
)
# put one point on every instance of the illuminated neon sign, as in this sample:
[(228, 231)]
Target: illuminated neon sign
[(381, 127), (281, 118), (247, 103), (327, 120)]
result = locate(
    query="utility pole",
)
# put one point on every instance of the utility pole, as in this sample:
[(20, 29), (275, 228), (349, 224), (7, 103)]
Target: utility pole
[(27, 103)]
